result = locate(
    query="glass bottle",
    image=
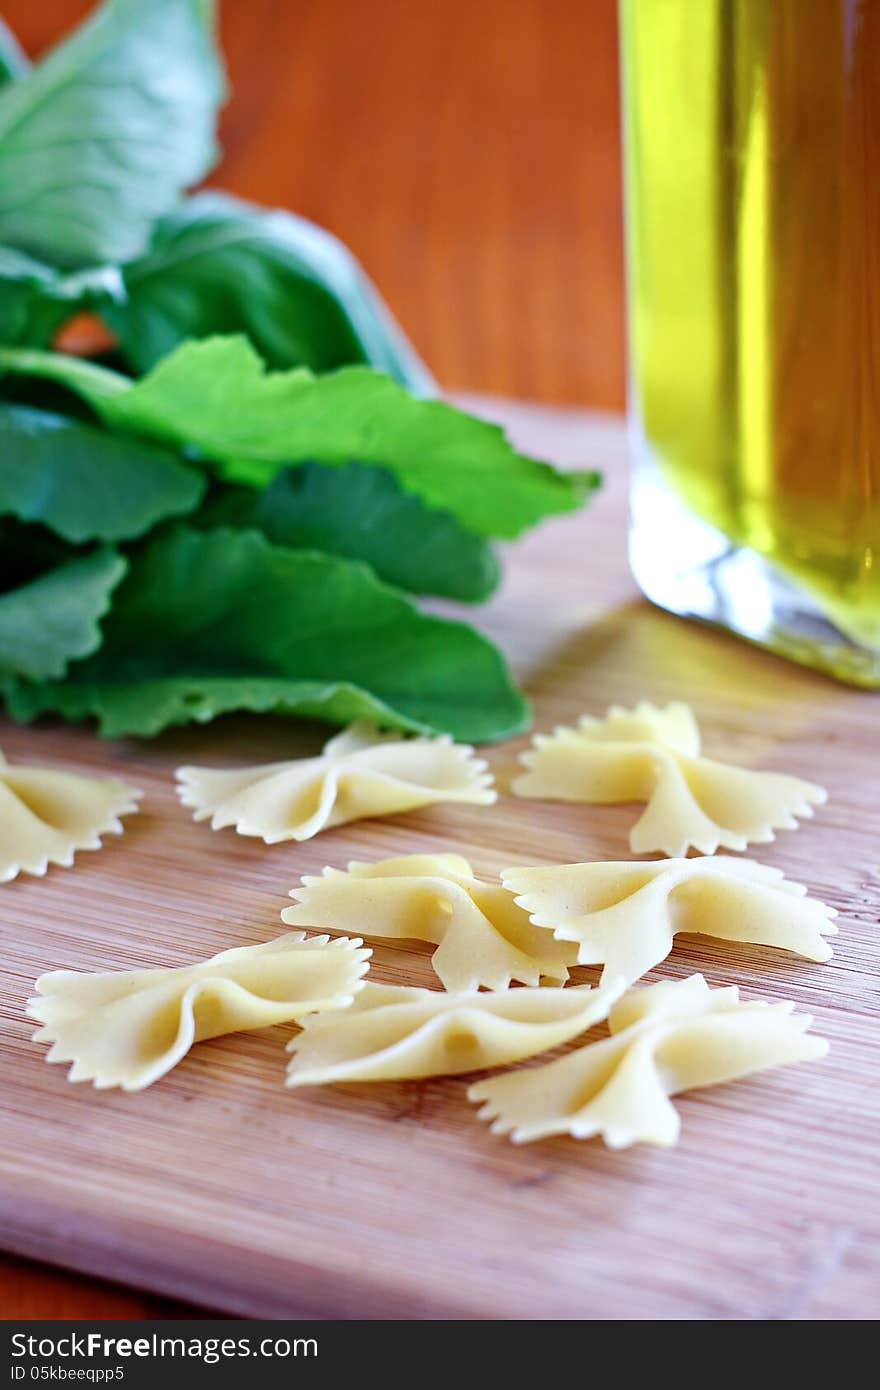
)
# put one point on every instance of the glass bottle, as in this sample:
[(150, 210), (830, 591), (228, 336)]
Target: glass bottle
[(752, 190)]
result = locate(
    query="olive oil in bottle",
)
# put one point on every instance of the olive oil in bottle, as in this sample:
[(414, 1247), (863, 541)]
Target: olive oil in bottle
[(752, 183)]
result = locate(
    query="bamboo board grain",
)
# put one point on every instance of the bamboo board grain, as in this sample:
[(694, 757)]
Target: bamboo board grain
[(219, 1187)]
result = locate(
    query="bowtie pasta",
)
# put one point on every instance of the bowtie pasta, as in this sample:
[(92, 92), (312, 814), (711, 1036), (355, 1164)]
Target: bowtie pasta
[(47, 815), (482, 937), (653, 755), (391, 1032), (625, 916), (129, 1027), (666, 1038), (360, 773)]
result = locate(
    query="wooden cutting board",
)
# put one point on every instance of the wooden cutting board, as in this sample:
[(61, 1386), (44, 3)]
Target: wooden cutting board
[(220, 1187)]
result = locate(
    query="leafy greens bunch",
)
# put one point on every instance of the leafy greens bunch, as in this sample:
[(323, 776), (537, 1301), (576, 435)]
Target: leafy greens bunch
[(234, 512)]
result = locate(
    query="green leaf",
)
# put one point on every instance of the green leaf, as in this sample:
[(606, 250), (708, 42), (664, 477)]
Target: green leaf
[(86, 484), (97, 386), (13, 63), (215, 396), (219, 265), (222, 620), (35, 299), (55, 619), (100, 137), (363, 513), (29, 311)]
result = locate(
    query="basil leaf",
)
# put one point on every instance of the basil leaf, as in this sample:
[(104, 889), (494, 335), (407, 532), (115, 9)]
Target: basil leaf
[(222, 620), (219, 265), (35, 299), (215, 397), (85, 484), (53, 620), (29, 311), (13, 63), (363, 513), (99, 138)]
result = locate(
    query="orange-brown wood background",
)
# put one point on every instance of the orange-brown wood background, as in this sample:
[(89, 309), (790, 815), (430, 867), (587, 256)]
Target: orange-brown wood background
[(469, 154)]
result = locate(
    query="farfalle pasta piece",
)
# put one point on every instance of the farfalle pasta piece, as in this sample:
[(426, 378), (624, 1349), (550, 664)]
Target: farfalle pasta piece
[(482, 937), (666, 1038), (391, 1032), (47, 815), (129, 1027), (360, 773), (625, 916), (653, 755)]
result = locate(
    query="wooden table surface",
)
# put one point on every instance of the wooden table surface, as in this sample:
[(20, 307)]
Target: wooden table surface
[(394, 1200)]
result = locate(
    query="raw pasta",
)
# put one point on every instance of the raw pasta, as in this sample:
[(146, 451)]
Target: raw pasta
[(391, 1032), (360, 773), (653, 755), (669, 1037), (482, 937), (625, 916), (47, 815), (129, 1027)]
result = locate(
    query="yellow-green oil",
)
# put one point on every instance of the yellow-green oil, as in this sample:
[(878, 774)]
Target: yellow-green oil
[(752, 183)]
